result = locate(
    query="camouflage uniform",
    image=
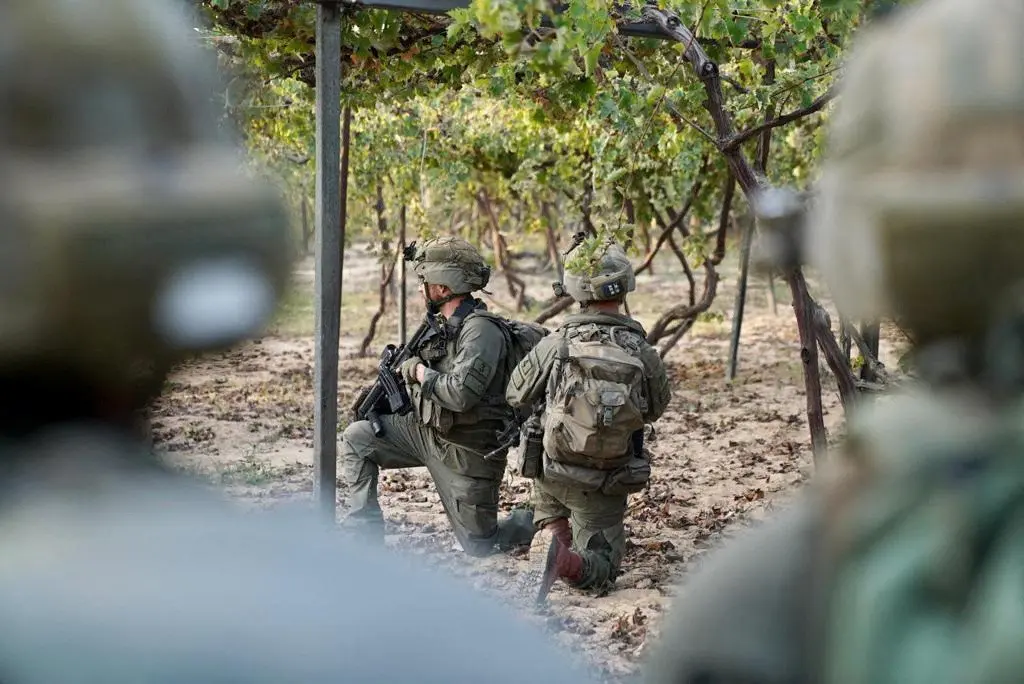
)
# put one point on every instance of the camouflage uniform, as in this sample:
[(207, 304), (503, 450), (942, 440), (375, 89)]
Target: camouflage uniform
[(594, 510), (902, 563), (459, 411), (129, 241)]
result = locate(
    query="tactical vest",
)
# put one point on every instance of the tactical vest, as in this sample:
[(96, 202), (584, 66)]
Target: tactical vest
[(478, 427)]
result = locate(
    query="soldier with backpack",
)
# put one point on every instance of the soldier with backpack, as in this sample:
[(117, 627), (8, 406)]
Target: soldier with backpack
[(457, 387), (904, 563), (591, 385)]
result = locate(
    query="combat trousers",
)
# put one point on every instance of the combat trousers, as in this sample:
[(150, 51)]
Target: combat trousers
[(598, 530), (467, 485)]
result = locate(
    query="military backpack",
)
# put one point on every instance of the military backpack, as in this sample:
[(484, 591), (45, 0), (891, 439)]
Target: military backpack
[(522, 337), (595, 398)]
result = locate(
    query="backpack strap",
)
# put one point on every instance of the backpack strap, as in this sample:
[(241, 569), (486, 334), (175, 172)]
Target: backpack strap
[(477, 308), (503, 326), (561, 357)]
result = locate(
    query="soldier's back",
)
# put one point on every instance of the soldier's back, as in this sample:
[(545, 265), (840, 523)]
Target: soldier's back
[(900, 564)]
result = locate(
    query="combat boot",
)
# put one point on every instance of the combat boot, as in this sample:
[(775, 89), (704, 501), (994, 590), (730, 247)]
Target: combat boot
[(552, 558), (516, 530), (366, 525)]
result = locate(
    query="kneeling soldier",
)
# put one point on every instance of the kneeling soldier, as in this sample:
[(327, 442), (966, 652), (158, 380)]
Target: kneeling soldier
[(592, 386), (456, 384)]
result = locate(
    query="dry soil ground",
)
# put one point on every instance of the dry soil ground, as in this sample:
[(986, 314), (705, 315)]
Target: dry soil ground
[(725, 453)]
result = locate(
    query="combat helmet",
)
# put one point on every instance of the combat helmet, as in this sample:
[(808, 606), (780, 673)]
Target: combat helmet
[(453, 262), (129, 236), (919, 213), (604, 275)]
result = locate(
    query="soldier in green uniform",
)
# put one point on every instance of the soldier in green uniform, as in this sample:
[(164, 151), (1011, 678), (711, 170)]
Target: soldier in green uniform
[(130, 241), (903, 561), (593, 455), (457, 387)]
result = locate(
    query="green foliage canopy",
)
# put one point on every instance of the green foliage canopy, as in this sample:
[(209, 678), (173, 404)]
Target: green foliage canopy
[(540, 105)]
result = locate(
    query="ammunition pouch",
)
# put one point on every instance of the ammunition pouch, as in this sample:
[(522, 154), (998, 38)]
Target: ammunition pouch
[(629, 479), (527, 459), (432, 353)]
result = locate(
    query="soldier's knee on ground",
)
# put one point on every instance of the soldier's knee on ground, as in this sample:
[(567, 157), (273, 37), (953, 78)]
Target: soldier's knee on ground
[(476, 527), (472, 508)]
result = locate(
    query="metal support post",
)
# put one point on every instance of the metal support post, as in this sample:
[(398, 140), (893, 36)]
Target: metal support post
[(327, 304), (741, 300)]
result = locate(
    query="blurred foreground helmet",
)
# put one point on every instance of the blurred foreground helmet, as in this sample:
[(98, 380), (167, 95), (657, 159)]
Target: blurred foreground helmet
[(920, 214), (129, 237), (453, 262), (608, 275)]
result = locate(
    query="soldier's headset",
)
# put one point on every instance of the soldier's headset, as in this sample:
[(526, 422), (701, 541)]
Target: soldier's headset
[(604, 288)]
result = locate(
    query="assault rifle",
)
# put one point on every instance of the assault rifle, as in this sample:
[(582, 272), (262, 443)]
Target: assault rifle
[(388, 395), (508, 438)]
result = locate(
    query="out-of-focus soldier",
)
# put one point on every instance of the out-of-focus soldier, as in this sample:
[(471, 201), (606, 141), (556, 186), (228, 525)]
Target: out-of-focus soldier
[(904, 563), (130, 241)]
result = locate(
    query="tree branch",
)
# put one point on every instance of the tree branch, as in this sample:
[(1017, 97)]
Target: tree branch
[(876, 367), (707, 72), (687, 271), (834, 357), (516, 286), (386, 271), (677, 220), (673, 111), (559, 305), (816, 106), (751, 182), (723, 220), (685, 312)]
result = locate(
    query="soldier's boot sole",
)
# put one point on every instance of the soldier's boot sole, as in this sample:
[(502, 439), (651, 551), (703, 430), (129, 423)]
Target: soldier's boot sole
[(543, 564)]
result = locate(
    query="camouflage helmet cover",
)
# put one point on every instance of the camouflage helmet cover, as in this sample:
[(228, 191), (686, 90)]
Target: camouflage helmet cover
[(920, 210), (129, 237), (453, 262), (607, 275)]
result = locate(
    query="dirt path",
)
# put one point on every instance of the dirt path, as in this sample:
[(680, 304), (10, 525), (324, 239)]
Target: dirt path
[(724, 452)]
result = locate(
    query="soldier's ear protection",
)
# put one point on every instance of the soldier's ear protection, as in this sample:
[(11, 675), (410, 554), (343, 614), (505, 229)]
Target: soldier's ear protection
[(609, 286)]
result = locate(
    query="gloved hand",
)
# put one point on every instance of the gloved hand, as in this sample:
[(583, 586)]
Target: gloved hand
[(408, 369)]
